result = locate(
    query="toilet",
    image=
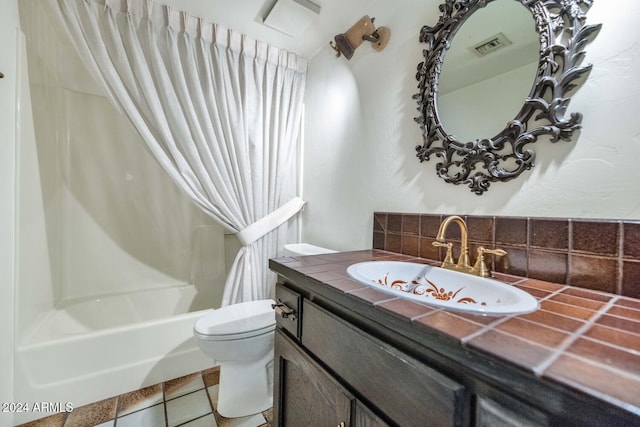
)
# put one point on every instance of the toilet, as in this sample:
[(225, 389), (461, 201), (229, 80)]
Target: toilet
[(240, 338)]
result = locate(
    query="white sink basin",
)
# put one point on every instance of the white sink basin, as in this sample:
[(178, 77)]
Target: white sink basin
[(443, 288)]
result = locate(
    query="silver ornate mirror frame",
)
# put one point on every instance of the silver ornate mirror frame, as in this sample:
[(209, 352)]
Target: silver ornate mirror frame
[(563, 34)]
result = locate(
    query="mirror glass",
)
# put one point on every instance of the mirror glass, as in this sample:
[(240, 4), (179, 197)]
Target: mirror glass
[(530, 101), (482, 89)]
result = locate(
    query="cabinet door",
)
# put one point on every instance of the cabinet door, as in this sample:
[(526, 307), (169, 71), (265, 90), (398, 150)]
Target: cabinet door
[(305, 395)]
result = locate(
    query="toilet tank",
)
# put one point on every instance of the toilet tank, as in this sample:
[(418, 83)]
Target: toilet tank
[(301, 249)]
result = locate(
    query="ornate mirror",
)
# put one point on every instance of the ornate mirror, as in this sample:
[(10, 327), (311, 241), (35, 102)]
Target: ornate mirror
[(496, 75)]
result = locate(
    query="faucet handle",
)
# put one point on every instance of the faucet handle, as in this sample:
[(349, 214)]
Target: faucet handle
[(498, 252), (448, 259), (480, 268)]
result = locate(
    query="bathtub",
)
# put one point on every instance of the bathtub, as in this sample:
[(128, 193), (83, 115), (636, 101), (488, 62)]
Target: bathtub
[(92, 349)]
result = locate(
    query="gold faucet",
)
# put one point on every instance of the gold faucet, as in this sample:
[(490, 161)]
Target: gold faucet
[(463, 261), (480, 267)]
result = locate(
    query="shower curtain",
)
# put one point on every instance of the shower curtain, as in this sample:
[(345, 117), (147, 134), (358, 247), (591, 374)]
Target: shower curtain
[(219, 111)]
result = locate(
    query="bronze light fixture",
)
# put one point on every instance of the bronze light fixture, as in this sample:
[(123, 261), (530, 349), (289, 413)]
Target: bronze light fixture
[(346, 43)]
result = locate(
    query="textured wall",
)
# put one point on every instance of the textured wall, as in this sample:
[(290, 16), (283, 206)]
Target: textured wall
[(8, 43), (360, 137)]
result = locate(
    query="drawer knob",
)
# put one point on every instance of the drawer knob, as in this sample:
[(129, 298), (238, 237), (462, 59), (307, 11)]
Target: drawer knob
[(284, 310)]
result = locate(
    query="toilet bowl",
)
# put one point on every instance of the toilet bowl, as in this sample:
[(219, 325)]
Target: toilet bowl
[(240, 338)]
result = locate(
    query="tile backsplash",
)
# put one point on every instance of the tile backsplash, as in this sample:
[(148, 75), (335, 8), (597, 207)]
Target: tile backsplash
[(602, 255)]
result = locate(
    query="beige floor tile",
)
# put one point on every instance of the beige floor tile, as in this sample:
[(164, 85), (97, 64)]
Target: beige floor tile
[(250, 421), (206, 421), (92, 414), (213, 396), (183, 385), (211, 376), (187, 407), (140, 399), (55, 420), (188, 404), (149, 417), (268, 415)]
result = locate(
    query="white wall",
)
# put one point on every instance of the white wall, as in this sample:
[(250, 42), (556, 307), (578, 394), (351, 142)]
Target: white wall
[(360, 137), (468, 113), (8, 58)]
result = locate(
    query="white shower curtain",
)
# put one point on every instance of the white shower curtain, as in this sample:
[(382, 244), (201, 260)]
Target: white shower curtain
[(220, 112)]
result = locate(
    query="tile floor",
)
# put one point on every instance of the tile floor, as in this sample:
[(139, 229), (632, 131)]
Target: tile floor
[(188, 401)]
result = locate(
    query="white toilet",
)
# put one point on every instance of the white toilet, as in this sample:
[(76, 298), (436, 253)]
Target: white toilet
[(240, 338)]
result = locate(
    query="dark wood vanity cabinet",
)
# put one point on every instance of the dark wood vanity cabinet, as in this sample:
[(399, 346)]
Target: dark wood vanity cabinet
[(334, 374), (343, 358), (329, 372)]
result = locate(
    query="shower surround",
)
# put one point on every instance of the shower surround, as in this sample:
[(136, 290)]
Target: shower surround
[(114, 263)]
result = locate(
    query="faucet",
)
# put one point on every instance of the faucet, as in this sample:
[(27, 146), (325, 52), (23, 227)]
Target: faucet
[(463, 260), (480, 267)]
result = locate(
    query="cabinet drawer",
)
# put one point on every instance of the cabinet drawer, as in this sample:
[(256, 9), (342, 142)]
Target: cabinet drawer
[(406, 390), (291, 301)]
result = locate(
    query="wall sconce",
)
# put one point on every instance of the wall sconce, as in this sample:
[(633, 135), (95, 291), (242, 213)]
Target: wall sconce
[(362, 30)]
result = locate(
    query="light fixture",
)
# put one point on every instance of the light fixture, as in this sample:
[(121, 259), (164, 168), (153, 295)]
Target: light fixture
[(345, 44)]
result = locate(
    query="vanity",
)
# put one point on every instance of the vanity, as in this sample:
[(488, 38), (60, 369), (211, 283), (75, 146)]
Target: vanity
[(347, 354)]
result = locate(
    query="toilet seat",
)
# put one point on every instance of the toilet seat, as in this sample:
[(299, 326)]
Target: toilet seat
[(237, 321)]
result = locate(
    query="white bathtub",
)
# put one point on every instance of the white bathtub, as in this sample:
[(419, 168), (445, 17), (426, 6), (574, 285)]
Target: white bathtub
[(90, 350)]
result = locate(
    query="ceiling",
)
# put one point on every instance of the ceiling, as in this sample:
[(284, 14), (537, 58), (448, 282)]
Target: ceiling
[(463, 67), (246, 16)]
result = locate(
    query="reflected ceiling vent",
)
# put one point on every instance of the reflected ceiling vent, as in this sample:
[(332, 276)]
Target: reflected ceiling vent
[(491, 44), (292, 17)]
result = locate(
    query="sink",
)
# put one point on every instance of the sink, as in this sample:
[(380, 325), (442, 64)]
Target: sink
[(443, 288)]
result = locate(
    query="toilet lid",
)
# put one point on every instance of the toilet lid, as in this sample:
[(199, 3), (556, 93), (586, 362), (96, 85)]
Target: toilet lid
[(237, 320)]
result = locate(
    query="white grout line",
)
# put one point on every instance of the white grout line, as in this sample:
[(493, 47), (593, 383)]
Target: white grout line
[(486, 328), (538, 370), (569, 250), (620, 257), (492, 325)]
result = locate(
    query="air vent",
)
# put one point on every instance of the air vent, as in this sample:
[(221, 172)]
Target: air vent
[(491, 44), (292, 17)]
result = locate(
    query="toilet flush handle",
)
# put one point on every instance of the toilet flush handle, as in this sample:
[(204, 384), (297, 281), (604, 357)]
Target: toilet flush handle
[(284, 310)]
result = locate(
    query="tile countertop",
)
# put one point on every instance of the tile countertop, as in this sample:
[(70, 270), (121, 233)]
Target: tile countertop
[(586, 340)]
